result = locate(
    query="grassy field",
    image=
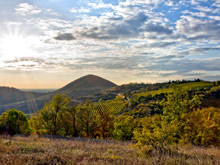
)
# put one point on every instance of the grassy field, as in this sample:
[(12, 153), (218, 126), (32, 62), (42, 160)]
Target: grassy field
[(45, 151)]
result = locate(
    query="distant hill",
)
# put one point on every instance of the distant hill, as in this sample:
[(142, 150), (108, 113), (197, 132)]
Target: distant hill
[(10, 95), (30, 102), (85, 86)]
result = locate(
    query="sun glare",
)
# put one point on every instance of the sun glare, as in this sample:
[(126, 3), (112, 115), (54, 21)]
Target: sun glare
[(13, 46)]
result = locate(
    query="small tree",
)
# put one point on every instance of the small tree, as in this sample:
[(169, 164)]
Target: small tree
[(14, 122)]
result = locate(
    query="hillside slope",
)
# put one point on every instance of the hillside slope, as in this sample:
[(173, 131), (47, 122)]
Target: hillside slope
[(85, 86), (81, 87), (10, 95)]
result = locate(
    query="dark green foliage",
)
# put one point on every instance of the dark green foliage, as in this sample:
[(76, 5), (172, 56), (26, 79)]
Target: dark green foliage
[(14, 122)]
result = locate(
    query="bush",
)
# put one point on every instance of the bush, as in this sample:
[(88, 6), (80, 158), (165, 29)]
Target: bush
[(14, 122)]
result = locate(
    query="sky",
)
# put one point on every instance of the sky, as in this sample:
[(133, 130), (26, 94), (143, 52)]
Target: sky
[(49, 43)]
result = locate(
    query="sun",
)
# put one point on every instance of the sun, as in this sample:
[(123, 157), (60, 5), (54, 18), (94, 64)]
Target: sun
[(14, 46)]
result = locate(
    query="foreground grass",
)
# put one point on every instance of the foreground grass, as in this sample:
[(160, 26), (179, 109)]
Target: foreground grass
[(44, 151)]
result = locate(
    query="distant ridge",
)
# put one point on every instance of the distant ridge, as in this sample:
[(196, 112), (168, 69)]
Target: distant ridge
[(9, 95), (84, 86)]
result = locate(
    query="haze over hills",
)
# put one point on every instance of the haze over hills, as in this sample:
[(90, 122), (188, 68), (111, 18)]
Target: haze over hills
[(30, 102), (38, 90), (9, 95)]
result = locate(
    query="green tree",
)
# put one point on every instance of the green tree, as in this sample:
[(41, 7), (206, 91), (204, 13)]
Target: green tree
[(87, 119), (36, 124), (14, 122), (69, 119), (179, 102), (123, 127), (51, 114)]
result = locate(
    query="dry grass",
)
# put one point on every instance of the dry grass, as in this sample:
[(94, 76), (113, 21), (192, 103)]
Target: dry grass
[(45, 151)]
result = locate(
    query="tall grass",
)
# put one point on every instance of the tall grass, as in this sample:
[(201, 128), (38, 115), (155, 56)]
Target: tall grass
[(35, 150)]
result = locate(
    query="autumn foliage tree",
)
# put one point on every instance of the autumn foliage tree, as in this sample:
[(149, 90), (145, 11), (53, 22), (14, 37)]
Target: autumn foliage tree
[(202, 127), (104, 121)]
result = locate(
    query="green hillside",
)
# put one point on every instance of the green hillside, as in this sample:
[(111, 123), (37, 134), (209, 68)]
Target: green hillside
[(184, 86)]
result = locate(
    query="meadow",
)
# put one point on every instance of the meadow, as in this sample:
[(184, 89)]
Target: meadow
[(36, 150)]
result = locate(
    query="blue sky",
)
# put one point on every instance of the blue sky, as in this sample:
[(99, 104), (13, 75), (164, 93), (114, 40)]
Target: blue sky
[(48, 43)]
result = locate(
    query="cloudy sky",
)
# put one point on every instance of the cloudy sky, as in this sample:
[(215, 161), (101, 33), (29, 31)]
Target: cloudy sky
[(49, 43)]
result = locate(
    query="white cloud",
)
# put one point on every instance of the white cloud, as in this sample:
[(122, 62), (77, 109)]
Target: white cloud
[(197, 29), (215, 17), (100, 5), (217, 3), (207, 9), (196, 14), (80, 10), (25, 9), (73, 10)]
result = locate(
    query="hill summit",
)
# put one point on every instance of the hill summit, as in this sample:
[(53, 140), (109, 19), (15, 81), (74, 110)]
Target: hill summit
[(85, 86), (88, 81)]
